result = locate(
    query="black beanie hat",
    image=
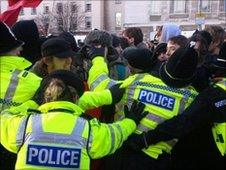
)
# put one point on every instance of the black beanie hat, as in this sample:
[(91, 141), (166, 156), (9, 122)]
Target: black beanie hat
[(180, 69), (160, 48), (70, 39), (27, 31), (8, 41), (69, 78), (220, 62), (139, 58), (57, 47)]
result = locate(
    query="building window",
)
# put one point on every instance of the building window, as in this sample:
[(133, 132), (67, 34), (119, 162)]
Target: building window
[(88, 7), (118, 19), (118, 1), (204, 5), (222, 6), (33, 11), (22, 11), (59, 8), (46, 10), (74, 8), (178, 7), (88, 23), (155, 7)]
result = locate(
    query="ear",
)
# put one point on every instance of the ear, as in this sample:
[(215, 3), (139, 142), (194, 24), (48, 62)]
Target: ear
[(46, 60), (132, 40)]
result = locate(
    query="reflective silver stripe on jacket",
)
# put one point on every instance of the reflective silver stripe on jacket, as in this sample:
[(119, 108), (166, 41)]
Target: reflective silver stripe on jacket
[(112, 138), (10, 92), (156, 118), (183, 101), (38, 135), (132, 89), (120, 131), (112, 132), (99, 79), (20, 132), (111, 83)]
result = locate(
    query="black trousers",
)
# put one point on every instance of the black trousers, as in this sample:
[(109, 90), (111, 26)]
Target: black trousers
[(8, 159), (127, 159)]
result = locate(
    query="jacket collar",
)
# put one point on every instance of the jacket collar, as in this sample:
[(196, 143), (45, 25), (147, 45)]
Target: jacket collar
[(65, 105), (8, 63)]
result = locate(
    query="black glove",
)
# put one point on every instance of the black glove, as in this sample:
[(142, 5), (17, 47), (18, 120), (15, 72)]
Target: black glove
[(91, 52), (136, 112), (116, 92), (112, 54), (138, 142), (95, 51)]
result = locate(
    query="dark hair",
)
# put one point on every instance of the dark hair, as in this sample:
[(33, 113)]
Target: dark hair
[(181, 40), (217, 33), (134, 32)]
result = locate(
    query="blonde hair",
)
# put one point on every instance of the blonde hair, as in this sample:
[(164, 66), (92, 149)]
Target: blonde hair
[(54, 90)]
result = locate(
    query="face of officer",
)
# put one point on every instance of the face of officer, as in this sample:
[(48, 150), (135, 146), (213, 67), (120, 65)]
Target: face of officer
[(54, 63)]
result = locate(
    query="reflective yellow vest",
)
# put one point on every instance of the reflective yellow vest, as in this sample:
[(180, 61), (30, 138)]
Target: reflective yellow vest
[(219, 129), (162, 103), (99, 75), (17, 85), (59, 138)]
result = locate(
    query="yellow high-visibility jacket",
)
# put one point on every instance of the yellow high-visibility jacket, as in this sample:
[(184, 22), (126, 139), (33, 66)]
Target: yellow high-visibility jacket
[(58, 137)]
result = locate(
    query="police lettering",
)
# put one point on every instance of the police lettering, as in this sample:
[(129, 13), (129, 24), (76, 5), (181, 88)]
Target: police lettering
[(53, 156), (157, 99)]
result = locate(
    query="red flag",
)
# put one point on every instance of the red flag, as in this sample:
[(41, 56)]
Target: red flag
[(10, 16)]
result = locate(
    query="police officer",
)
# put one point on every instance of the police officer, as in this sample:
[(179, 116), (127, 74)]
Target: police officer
[(162, 101), (200, 128), (14, 81), (56, 135)]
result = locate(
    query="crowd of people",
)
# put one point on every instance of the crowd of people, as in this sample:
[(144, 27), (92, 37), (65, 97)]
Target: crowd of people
[(113, 102)]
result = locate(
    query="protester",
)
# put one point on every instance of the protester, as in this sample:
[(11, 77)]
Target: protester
[(174, 43), (160, 56), (203, 40), (134, 37)]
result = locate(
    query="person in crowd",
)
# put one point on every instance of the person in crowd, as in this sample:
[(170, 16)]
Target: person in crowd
[(118, 69), (217, 33), (203, 40), (55, 135), (200, 128), (16, 85), (27, 31), (56, 54), (143, 86), (159, 55), (69, 37), (174, 43), (169, 30), (134, 37)]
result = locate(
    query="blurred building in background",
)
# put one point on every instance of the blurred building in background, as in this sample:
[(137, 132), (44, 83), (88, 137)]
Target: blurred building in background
[(81, 16)]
